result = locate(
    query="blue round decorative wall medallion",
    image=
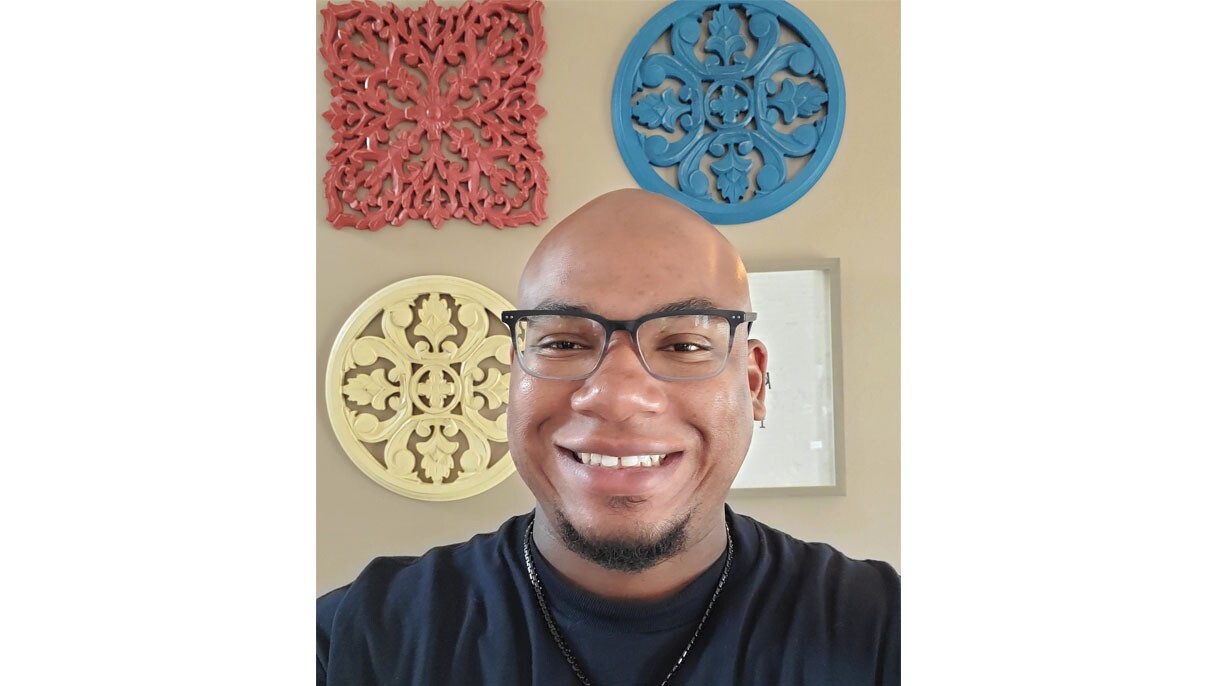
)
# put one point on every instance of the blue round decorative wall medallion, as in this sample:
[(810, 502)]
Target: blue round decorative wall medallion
[(732, 108)]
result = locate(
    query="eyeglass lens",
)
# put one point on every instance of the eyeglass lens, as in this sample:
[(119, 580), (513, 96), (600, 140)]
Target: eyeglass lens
[(676, 347)]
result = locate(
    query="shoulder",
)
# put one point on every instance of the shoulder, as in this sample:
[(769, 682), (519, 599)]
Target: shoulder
[(394, 599), (822, 569), (407, 583), (398, 578), (848, 610), (377, 578)]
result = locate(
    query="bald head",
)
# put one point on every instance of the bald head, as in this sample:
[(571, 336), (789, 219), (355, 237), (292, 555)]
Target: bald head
[(639, 244)]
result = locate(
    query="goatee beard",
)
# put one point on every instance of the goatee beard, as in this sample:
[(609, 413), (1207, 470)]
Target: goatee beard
[(624, 555)]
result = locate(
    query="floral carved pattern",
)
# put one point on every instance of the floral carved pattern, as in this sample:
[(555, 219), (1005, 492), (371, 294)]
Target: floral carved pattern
[(734, 108), (417, 388), (434, 113)]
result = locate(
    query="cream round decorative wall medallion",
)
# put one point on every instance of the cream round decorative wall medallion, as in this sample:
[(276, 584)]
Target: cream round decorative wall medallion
[(417, 388)]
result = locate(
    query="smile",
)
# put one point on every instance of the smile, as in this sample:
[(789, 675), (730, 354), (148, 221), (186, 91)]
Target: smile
[(615, 462)]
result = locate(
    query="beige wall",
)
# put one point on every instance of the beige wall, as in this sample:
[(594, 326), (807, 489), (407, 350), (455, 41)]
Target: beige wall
[(852, 214)]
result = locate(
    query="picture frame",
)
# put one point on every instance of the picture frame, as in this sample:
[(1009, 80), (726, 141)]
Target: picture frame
[(799, 448)]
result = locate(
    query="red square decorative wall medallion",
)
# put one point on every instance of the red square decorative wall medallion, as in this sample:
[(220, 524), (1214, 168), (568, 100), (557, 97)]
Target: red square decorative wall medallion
[(434, 113)]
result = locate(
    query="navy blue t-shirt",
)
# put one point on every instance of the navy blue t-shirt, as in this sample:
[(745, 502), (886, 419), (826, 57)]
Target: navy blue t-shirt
[(790, 612)]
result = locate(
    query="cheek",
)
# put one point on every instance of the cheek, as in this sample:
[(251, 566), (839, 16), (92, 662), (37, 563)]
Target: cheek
[(521, 436), (531, 403), (726, 419), (520, 408)]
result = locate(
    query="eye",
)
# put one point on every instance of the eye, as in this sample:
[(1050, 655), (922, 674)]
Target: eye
[(560, 345), (686, 347)]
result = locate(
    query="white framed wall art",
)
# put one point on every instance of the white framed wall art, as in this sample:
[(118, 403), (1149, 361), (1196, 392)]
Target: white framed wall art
[(800, 444)]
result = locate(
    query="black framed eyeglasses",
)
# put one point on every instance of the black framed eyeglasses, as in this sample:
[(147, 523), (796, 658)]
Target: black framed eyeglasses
[(678, 345)]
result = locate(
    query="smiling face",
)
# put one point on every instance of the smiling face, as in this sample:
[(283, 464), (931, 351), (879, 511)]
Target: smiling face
[(677, 445)]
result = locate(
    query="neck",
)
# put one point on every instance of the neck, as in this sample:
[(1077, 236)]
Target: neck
[(706, 542)]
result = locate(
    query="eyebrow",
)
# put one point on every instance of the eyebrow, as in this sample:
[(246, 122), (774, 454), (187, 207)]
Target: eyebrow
[(559, 305), (687, 304)]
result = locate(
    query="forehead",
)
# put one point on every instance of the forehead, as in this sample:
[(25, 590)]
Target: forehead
[(625, 282), (630, 252)]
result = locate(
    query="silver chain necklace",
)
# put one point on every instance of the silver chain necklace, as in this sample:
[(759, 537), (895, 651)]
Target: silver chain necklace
[(563, 646)]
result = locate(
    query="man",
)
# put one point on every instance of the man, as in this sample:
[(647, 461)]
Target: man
[(634, 390)]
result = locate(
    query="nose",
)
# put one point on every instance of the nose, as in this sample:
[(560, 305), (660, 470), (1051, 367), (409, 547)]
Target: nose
[(621, 388)]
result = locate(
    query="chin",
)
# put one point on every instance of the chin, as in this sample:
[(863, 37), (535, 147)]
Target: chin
[(624, 522), (630, 548)]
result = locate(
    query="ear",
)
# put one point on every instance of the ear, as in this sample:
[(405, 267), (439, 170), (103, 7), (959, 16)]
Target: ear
[(756, 372)]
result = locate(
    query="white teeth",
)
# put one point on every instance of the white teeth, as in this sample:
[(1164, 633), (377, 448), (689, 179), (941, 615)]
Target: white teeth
[(614, 462)]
